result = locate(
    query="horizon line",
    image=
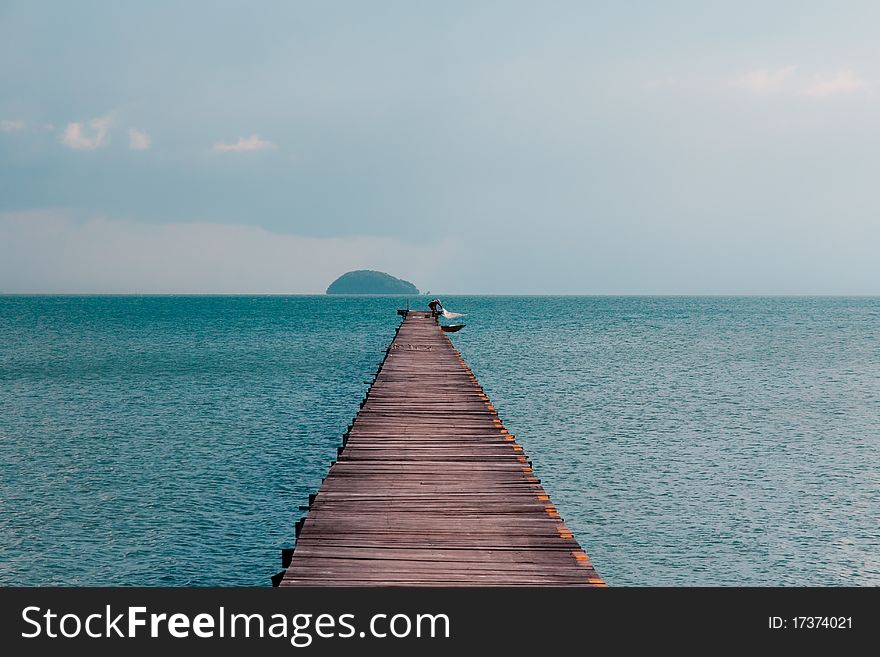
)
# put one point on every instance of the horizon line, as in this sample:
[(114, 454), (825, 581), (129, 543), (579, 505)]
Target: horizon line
[(446, 294)]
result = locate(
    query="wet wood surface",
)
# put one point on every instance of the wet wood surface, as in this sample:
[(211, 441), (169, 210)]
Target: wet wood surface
[(430, 489)]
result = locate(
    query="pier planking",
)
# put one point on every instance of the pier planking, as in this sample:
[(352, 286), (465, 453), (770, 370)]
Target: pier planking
[(430, 489)]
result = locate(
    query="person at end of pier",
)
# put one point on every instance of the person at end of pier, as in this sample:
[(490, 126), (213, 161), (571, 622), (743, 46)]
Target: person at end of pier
[(436, 307)]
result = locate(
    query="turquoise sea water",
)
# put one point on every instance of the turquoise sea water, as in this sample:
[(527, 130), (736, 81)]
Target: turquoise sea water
[(686, 441)]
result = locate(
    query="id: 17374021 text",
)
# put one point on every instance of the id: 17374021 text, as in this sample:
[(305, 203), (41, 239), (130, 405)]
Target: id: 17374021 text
[(810, 623)]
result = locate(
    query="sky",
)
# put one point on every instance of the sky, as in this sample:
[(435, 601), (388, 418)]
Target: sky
[(683, 147)]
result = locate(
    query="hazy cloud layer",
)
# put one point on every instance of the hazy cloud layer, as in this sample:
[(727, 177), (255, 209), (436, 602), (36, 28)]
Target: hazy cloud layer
[(53, 252), (50, 252)]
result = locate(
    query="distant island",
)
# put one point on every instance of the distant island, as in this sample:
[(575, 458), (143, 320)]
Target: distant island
[(366, 281)]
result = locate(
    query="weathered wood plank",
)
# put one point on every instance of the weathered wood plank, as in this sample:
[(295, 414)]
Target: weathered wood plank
[(431, 489)]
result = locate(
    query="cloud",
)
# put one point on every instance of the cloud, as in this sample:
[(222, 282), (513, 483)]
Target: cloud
[(50, 251), (843, 81), (8, 125), (765, 81), (78, 138), (786, 80), (138, 140), (252, 143)]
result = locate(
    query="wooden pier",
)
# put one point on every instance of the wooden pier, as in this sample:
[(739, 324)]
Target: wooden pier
[(430, 489)]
